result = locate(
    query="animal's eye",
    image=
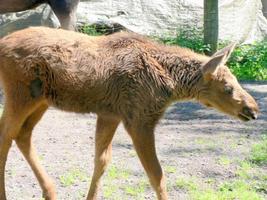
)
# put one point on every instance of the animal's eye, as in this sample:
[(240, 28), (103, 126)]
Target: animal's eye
[(228, 90)]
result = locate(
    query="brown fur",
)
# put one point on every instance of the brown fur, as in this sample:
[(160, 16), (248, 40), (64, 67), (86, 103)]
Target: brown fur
[(122, 77)]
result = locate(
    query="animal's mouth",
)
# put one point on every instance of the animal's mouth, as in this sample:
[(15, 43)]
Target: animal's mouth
[(244, 117)]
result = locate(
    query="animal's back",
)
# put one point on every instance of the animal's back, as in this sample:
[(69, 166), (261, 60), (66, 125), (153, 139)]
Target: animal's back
[(81, 73), (28, 40)]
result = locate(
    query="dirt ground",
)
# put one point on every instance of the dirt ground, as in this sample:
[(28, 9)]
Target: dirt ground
[(190, 140)]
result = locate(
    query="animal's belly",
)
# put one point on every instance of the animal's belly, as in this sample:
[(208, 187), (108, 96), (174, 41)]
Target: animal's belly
[(77, 101)]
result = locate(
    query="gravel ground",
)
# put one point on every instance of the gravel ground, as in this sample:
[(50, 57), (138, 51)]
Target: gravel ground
[(190, 139)]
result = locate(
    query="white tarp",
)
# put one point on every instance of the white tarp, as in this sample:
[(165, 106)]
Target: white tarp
[(41, 16), (241, 20)]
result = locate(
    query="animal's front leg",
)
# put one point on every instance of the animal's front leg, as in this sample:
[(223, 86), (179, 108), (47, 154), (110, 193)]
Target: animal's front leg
[(4, 148), (144, 143), (8, 127), (105, 130), (67, 21), (65, 12)]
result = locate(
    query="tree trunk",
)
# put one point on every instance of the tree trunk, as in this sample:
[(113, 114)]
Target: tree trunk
[(211, 24), (264, 7)]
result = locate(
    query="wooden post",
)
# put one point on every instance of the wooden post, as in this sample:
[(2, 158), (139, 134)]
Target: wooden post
[(211, 24), (264, 7)]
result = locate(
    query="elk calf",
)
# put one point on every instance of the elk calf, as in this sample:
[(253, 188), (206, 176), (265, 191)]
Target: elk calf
[(121, 77)]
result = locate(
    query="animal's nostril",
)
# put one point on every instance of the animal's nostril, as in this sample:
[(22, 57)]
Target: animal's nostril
[(249, 112), (246, 110)]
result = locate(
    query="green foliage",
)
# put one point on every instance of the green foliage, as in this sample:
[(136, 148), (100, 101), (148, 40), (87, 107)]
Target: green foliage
[(192, 39), (249, 62), (90, 30)]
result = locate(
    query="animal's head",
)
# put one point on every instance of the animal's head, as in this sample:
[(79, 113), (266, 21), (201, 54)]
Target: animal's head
[(221, 90)]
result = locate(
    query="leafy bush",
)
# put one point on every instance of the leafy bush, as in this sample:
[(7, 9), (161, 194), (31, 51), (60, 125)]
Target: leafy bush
[(249, 62), (192, 39), (90, 30)]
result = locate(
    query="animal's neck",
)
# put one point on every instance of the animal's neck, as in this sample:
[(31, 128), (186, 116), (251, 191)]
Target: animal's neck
[(185, 72)]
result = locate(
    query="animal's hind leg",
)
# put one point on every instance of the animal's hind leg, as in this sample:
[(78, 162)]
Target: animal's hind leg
[(105, 130), (18, 106), (24, 143), (10, 125)]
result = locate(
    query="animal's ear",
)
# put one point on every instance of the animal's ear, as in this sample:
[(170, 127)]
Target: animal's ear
[(219, 58)]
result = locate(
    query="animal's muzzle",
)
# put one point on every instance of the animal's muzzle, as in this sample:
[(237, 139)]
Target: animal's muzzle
[(249, 113)]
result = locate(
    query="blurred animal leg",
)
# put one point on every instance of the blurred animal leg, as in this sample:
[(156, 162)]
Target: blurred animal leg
[(144, 143), (25, 144), (105, 130)]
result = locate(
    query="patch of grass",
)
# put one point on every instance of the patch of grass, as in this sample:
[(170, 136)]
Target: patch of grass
[(114, 173), (111, 186), (109, 191), (238, 189), (260, 186), (137, 190), (259, 152), (250, 182), (244, 169), (170, 169), (186, 184), (225, 161), (73, 176)]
